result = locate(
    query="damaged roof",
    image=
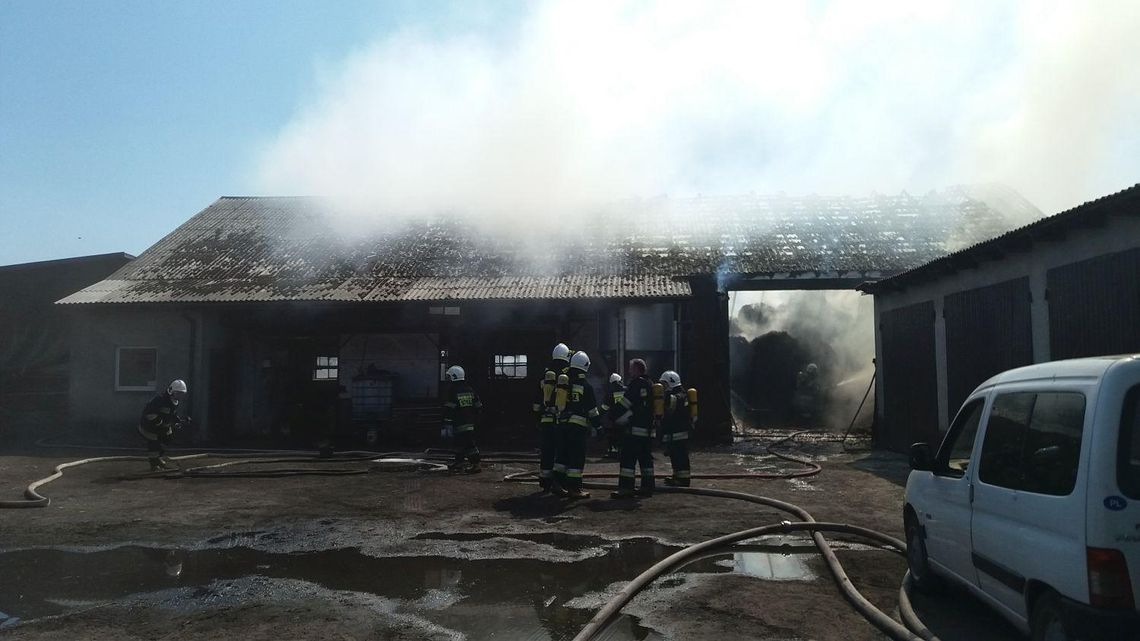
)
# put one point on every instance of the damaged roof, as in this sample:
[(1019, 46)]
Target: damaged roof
[(1123, 203), (291, 249)]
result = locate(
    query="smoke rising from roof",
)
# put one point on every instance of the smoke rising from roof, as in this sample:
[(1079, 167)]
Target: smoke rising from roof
[(591, 102)]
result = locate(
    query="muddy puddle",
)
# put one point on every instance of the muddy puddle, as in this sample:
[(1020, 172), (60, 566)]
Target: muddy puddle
[(481, 598)]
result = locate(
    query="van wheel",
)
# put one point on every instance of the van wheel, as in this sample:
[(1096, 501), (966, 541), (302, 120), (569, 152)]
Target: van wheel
[(1045, 622), (916, 560)]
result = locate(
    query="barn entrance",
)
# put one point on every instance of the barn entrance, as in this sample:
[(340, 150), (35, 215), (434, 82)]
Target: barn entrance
[(800, 358)]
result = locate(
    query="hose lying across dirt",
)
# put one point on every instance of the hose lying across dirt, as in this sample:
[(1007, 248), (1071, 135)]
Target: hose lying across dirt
[(32, 497), (912, 629)]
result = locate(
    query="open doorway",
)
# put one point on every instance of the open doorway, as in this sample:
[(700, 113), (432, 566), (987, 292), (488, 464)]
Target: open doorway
[(801, 359)]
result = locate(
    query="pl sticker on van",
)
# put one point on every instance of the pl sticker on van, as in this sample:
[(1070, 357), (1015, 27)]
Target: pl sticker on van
[(1115, 503)]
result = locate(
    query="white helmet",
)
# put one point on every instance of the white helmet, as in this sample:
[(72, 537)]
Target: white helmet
[(580, 360), (561, 352), (670, 379), (176, 390), (455, 373), (615, 378), (812, 368)]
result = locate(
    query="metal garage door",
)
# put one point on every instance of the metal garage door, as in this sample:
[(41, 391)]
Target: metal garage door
[(1094, 306), (988, 330), (910, 392)]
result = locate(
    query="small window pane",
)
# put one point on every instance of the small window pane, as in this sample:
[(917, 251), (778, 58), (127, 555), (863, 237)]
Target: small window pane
[(509, 366), (1005, 437), (137, 368), (326, 368)]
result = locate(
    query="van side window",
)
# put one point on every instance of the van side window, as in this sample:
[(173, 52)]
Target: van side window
[(1053, 444), (954, 455), (1005, 438), (1128, 454), (1033, 442)]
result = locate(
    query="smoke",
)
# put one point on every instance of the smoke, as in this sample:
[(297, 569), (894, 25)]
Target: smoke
[(572, 103), (777, 334)]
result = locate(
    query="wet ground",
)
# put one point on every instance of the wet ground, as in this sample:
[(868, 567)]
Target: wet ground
[(42, 583), (405, 553)]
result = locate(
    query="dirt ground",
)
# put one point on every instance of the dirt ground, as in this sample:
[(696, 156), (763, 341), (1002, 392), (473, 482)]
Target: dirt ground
[(427, 555)]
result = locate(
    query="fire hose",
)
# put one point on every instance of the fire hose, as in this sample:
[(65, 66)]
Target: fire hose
[(33, 498)]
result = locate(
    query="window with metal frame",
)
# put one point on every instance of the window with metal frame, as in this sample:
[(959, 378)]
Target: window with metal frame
[(326, 368), (509, 366)]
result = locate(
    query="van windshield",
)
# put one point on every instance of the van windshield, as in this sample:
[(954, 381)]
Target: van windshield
[(1128, 461)]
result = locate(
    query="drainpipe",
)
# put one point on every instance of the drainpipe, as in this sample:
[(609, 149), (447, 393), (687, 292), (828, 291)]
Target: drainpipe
[(190, 366)]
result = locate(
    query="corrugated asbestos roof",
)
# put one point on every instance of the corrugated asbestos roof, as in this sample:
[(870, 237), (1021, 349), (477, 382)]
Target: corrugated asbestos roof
[(1124, 202), (286, 249)]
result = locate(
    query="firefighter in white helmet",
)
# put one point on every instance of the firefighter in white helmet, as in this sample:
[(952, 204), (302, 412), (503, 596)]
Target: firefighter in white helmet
[(675, 428), (611, 410), (460, 411), (547, 417), (159, 420), (574, 423)]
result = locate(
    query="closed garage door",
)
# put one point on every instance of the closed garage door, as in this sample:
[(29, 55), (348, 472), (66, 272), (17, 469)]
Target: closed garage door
[(1094, 306), (988, 331), (910, 392)]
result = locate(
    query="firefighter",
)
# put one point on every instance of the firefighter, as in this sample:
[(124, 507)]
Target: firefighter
[(159, 420), (637, 423), (676, 427), (575, 422), (805, 400), (547, 417), (612, 409), (460, 411)]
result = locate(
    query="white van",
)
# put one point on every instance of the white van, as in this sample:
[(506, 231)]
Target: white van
[(1032, 502)]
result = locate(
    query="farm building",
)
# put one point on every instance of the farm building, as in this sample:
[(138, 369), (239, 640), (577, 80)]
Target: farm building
[(35, 341), (1065, 286), (283, 325)]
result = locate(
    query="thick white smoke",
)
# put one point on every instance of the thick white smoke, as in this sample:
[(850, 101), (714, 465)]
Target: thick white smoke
[(580, 102)]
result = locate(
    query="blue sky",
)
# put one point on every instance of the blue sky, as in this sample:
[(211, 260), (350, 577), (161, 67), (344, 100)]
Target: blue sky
[(121, 119)]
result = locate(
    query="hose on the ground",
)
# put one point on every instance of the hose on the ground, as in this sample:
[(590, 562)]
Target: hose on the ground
[(908, 631), (912, 630), (33, 499), (622, 598)]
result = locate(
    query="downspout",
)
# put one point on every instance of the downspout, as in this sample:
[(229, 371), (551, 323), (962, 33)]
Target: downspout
[(191, 369)]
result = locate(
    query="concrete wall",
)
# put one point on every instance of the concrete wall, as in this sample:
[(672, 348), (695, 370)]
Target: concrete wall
[(1119, 233), (97, 409)]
